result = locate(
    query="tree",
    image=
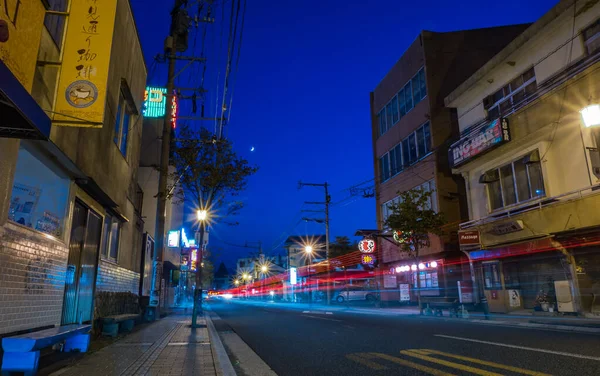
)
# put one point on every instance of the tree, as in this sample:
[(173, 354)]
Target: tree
[(342, 246), (413, 220), (211, 176)]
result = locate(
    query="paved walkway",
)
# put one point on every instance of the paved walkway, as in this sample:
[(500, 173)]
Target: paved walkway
[(167, 347)]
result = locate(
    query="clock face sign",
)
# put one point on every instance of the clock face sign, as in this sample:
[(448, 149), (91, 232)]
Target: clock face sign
[(366, 246)]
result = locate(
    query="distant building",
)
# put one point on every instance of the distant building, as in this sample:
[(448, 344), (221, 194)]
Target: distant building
[(222, 278), (411, 131)]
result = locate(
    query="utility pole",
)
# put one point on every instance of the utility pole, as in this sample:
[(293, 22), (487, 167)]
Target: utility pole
[(326, 203), (175, 42)]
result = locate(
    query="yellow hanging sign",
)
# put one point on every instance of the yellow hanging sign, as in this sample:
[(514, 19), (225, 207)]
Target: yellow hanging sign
[(21, 23), (82, 87)]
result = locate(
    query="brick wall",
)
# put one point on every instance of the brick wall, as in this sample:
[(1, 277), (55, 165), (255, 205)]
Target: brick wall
[(32, 279), (113, 278)]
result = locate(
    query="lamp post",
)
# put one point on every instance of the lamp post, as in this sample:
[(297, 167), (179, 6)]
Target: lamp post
[(264, 269), (202, 216), (308, 250)]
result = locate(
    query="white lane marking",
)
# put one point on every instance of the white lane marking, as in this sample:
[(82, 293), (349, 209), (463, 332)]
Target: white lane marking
[(321, 318), (305, 311), (521, 347), (329, 313)]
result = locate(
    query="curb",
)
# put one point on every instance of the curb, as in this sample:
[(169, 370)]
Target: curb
[(223, 365)]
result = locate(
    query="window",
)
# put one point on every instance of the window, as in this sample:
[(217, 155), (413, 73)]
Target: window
[(506, 99), (393, 161), (411, 93), (382, 123), (419, 87), (428, 279), (111, 237), (385, 208), (398, 156), (56, 23), (413, 148), (408, 96), (515, 182), (388, 110), (122, 123), (405, 153), (491, 276), (429, 186), (384, 167), (591, 38), (40, 193), (395, 116)]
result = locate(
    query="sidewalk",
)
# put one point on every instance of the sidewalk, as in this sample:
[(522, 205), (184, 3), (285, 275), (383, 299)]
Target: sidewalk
[(520, 319), (167, 347)]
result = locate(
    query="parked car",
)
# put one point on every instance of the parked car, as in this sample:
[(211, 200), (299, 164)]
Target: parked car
[(354, 293)]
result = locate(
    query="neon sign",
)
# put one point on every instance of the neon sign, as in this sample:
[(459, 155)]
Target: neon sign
[(366, 246), (174, 110), (155, 102), (293, 276), (173, 239), (367, 259)]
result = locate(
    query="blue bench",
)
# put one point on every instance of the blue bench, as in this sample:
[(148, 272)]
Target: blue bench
[(112, 325), (22, 352)]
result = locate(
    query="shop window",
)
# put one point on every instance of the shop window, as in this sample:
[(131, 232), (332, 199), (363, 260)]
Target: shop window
[(491, 276), (591, 38), (40, 193), (516, 182), (112, 237), (511, 276), (429, 280)]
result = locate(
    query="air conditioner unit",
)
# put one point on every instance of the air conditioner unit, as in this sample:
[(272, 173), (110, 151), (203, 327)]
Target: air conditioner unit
[(564, 296)]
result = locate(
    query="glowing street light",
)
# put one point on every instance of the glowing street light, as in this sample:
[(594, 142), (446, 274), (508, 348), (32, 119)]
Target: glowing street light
[(264, 268), (236, 282), (308, 249), (201, 214), (591, 115), (246, 276)]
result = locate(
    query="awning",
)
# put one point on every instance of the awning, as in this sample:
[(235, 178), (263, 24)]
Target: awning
[(21, 116), (518, 249)]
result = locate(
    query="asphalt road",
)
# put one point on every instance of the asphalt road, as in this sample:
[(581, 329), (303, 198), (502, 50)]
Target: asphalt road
[(295, 343)]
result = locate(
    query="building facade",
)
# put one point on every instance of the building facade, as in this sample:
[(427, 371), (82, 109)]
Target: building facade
[(531, 166), (411, 129), (70, 224)]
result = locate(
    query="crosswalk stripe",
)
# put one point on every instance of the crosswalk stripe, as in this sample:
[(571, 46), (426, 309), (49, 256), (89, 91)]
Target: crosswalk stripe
[(482, 362), (446, 363), (406, 363), (358, 358)]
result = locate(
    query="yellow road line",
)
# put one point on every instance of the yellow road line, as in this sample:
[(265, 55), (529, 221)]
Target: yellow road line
[(482, 362), (406, 363), (446, 363), (359, 358)]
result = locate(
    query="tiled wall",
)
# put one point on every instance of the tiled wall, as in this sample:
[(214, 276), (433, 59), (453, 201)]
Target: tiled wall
[(112, 277), (32, 279)]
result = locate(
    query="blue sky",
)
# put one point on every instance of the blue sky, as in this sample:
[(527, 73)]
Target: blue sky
[(302, 98)]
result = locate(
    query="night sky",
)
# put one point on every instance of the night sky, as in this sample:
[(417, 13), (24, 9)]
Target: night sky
[(301, 98)]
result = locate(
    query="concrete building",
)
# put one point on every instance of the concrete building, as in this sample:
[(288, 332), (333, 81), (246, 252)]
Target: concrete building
[(411, 129), (531, 166), (70, 224), (148, 176)]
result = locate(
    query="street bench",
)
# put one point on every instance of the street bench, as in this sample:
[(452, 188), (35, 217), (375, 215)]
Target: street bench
[(112, 325), (22, 352)]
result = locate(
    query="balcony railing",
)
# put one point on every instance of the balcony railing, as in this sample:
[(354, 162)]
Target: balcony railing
[(533, 206)]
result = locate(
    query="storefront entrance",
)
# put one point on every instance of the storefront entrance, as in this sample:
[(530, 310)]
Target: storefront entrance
[(84, 247)]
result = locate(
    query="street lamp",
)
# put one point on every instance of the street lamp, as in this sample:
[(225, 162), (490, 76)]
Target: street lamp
[(202, 216), (264, 269), (236, 282), (591, 115), (309, 250)]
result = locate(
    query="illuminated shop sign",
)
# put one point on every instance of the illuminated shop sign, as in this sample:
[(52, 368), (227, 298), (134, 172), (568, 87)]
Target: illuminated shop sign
[(155, 102), (366, 246), (478, 141), (173, 239), (367, 259), (293, 276)]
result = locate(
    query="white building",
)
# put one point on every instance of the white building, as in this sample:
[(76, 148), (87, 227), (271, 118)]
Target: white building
[(532, 167)]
